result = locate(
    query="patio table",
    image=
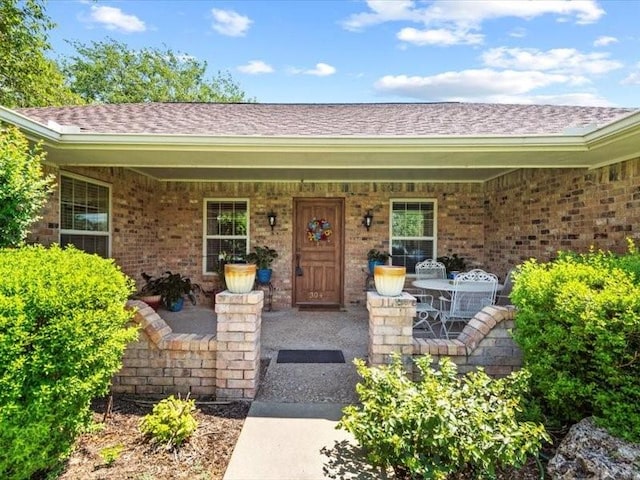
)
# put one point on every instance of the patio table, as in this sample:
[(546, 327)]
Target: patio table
[(448, 288), (445, 285)]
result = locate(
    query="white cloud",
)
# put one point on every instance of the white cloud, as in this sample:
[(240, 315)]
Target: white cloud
[(487, 86), (255, 67), (439, 36), (230, 23), (576, 98), (557, 60), (321, 70), (604, 41), (518, 32), (381, 11), (469, 83), (633, 78), (456, 16), (113, 18)]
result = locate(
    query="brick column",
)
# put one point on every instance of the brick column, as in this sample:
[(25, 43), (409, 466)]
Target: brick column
[(390, 327), (238, 335)]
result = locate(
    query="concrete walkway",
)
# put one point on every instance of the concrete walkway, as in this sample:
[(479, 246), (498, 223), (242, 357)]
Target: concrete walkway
[(297, 441), (290, 431)]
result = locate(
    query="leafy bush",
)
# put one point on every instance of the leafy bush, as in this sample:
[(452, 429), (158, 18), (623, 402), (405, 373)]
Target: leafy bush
[(171, 422), (109, 455), (62, 336), (443, 424), (23, 190), (578, 324)]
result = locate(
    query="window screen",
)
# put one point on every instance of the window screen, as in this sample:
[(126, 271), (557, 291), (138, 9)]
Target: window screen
[(226, 232), (412, 233), (84, 215)]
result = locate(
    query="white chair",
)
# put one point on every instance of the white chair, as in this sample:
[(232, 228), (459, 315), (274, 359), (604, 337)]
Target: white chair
[(472, 291), (430, 269), (426, 312), (503, 297)]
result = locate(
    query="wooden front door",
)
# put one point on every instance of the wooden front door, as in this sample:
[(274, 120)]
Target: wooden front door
[(318, 252)]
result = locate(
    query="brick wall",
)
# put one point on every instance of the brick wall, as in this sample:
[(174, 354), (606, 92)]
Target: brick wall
[(157, 226), (484, 342), (535, 213), (134, 222), (161, 362)]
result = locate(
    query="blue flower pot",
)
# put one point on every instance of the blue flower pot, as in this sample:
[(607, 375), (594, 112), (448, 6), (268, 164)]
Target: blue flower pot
[(177, 305), (372, 265), (264, 275)]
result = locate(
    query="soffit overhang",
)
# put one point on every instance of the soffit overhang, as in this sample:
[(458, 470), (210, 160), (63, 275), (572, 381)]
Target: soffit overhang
[(255, 158)]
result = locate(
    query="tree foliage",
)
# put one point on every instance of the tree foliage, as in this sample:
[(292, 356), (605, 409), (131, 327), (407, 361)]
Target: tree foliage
[(110, 72), (23, 189), (27, 77)]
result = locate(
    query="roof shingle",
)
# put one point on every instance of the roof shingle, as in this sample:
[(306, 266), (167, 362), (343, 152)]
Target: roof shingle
[(334, 120)]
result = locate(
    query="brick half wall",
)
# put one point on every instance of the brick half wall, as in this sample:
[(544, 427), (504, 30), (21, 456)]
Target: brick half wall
[(485, 341), (161, 362)]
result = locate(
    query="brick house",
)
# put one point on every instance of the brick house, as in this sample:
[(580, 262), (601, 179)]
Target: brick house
[(173, 186)]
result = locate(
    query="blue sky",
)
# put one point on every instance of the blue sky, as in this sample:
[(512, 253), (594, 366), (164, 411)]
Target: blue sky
[(577, 52)]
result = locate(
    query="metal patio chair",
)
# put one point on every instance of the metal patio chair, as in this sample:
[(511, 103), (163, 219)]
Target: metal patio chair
[(502, 298), (472, 291), (426, 312)]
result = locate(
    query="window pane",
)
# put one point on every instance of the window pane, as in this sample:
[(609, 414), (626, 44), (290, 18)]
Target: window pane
[(83, 205), (230, 250), (98, 244), (408, 253), (227, 218)]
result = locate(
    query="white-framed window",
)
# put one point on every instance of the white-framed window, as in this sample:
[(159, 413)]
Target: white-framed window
[(226, 232), (413, 232), (85, 214)]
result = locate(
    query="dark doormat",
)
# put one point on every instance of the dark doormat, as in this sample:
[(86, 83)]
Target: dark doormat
[(310, 356), (332, 307)]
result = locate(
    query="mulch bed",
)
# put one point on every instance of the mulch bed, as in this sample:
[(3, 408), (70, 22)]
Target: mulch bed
[(204, 457)]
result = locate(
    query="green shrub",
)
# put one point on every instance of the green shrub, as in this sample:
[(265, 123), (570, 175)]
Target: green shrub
[(62, 336), (23, 189), (109, 455), (578, 324), (171, 422), (443, 424)]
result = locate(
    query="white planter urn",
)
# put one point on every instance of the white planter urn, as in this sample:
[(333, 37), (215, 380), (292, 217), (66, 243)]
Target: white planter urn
[(389, 280), (239, 277)]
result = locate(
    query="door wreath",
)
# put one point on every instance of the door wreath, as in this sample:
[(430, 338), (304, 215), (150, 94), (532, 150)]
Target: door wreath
[(318, 230)]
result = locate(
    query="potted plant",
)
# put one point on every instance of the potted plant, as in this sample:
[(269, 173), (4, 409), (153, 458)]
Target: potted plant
[(263, 257), (150, 292), (172, 287), (454, 264), (376, 257)]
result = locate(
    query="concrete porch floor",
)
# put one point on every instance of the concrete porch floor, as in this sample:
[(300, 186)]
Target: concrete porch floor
[(345, 330)]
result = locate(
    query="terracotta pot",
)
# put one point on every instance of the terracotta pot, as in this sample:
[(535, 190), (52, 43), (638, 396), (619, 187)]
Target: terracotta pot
[(152, 300), (389, 280), (239, 277)]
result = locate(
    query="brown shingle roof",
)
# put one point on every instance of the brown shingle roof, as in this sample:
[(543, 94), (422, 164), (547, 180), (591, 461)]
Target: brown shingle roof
[(309, 120)]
